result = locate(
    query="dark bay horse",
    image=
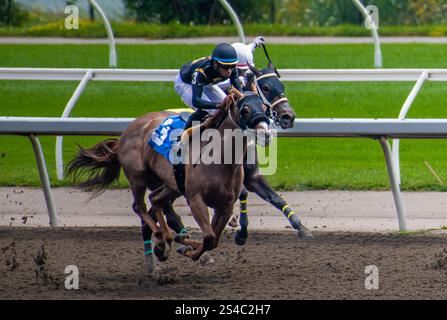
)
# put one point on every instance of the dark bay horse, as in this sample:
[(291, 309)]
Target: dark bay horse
[(266, 83), (206, 185)]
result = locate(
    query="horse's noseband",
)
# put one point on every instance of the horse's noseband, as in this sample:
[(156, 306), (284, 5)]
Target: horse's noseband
[(257, 113)]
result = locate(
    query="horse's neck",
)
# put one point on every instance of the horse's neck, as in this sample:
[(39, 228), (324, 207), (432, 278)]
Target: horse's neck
[(227, 132)]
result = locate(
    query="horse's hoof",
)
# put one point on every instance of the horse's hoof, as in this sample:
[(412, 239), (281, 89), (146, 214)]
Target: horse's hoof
[(305, 234), (239, 239), (180, 238), (208, 243), (234, 223), (184, 249), (206, 259), (160, 254)]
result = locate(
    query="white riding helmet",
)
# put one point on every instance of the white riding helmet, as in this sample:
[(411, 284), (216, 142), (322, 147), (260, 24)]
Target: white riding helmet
[(244, 54)]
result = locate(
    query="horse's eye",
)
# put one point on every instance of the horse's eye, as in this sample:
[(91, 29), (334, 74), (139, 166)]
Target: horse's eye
[(266, 88)]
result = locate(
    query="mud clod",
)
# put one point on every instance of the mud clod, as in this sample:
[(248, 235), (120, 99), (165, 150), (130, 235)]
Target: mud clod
[(440, 260)]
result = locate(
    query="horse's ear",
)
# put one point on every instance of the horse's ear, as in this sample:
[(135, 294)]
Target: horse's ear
[(253, 69), (272, 67)]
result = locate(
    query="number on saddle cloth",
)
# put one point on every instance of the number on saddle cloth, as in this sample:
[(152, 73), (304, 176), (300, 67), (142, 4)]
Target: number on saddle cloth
[(165, 136)]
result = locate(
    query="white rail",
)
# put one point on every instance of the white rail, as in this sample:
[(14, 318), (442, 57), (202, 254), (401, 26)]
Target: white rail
[(167, 75), (379, 129)]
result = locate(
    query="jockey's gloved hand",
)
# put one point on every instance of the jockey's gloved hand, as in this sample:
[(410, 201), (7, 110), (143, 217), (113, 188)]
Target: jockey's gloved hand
[(259, 40), (222, 105)]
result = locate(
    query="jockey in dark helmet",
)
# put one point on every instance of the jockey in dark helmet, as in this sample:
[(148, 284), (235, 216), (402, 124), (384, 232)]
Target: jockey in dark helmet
[(196, 83), (245, 58)]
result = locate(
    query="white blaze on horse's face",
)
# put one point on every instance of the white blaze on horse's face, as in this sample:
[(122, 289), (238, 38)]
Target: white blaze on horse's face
[(263, 134)]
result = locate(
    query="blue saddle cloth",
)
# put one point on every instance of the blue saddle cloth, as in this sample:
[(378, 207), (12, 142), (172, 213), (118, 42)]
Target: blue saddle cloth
[(165, 136)]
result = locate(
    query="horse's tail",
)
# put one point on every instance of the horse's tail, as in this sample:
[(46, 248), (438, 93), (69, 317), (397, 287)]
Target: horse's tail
[(100, 164)]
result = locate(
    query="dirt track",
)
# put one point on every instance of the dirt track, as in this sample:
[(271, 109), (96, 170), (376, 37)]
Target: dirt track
[(273, 265)]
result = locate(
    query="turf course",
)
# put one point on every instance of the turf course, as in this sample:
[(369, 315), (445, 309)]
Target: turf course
[(349, 164)]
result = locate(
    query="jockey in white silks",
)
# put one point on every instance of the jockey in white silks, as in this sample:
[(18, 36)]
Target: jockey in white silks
[(245, 58)]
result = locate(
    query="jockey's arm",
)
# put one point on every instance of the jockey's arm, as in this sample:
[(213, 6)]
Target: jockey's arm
[(197, 82), (256, 43), (234, 80), (197, 100)]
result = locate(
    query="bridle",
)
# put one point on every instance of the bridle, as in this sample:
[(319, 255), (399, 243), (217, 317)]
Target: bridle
[(244, 125), (270, 113)]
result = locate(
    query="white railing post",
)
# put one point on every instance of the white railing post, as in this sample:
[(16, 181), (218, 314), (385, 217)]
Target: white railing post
[(44, 179), (68, 108), (375, 34), (394, 184), (234, 18), (402, 116), (112, 55)]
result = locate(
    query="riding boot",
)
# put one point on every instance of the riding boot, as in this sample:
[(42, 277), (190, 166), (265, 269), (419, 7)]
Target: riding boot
[(198, 115)]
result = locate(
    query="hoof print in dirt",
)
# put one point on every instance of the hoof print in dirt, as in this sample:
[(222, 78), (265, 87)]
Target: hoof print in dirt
[(11, 257), (43, 275)]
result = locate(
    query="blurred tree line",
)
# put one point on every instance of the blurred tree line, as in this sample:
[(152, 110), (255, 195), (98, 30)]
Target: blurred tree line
[(296, 12), (392, 12), (291, 12), (11, 14), (200, 11)]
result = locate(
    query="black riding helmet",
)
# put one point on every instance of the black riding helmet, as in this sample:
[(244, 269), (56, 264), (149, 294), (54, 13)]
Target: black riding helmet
[(225, 54)]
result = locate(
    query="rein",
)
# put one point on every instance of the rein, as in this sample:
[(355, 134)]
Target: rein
[(264, 99), (234, 122)]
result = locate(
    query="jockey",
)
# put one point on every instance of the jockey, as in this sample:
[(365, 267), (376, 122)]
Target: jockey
[(245, 57), (196, 81)]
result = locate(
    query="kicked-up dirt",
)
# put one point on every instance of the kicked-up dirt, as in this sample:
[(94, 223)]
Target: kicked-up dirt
[(272, 265)]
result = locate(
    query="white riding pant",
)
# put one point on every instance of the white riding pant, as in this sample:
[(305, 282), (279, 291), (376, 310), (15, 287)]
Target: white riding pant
[(210, 93)]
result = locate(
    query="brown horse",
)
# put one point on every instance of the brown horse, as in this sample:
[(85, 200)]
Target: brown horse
[(216, 185)]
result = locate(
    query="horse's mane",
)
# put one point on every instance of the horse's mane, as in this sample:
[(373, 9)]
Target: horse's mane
[(214, 120)]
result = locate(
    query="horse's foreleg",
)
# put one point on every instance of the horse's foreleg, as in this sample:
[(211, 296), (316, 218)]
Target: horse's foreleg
[(240, 237), (260, 186), (147, 238), (148, 225), (201, 215), (158, 199), (220, 220), (175, 221), (163, 249)]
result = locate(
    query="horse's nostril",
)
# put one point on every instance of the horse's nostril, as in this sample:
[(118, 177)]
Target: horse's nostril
[(287, 121), (286, 117)]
